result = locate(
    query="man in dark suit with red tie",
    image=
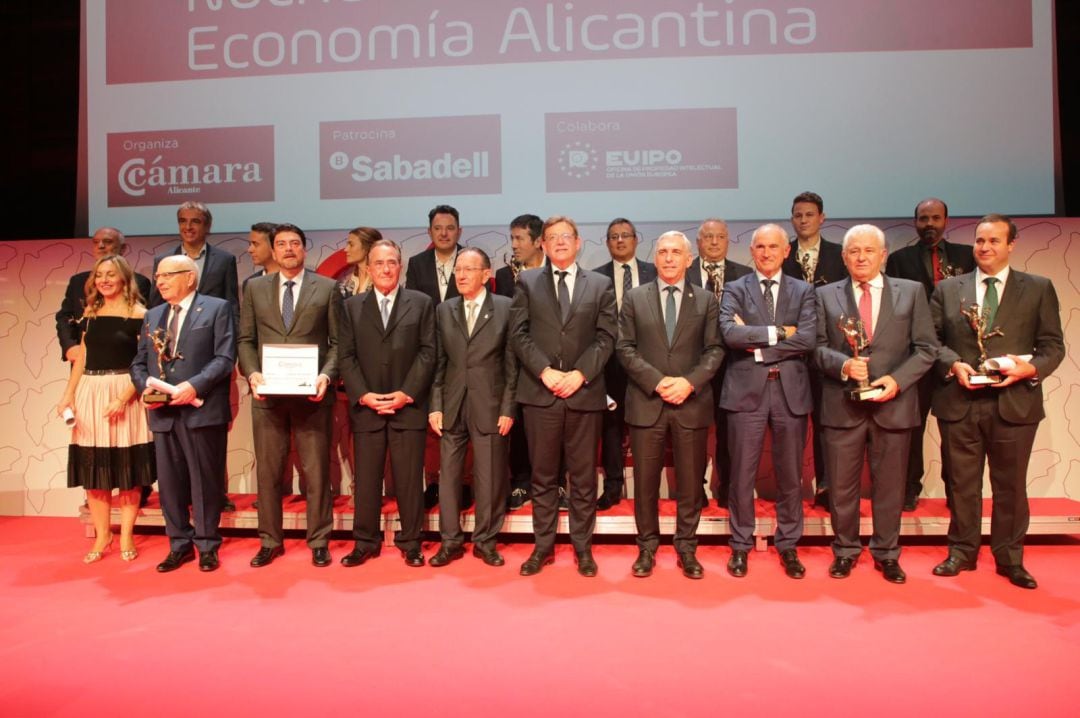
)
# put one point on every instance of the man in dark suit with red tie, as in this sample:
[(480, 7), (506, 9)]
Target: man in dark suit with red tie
[(886, 321), (768, 321), (563, 326), (929, 261), (387, 360), (1020, 320), (712, 270), (625, 271), (669, 345), (472, 402), (197, 354)]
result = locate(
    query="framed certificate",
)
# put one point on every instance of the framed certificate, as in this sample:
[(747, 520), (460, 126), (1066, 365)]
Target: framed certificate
[(289, 369)]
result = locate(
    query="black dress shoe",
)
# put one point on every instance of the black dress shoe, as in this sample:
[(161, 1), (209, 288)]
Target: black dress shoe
[(357, 557), (821, 499), (911, 502), (490, 557), (175, 560), (445, 555), (208, 561), (431, 497), (952, 566), (535, 563), (793, 567), (518, 498), (890, 569), (266, 556), (736, 565), (643, 567), (321, 556), (413, 557), (228, 506), (691, 567), (1018, 576), (610, 497), (586, 565), (841, 566)]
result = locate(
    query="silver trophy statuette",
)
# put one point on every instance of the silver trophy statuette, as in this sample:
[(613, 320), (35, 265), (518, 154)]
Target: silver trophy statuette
[(852, 327)]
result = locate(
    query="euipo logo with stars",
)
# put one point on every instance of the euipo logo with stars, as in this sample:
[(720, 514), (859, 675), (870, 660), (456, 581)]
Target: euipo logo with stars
[(578, 159)]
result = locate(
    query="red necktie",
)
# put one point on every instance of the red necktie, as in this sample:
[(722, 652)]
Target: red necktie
[(936, 262), (866, 311)]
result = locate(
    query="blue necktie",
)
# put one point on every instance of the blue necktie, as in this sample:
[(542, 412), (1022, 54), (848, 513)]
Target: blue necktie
[(287, 306), (669, 314)]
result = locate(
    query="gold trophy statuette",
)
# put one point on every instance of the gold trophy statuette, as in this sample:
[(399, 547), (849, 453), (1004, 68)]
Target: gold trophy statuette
[(980, 324), (160, 339), (852, 327), (516, 265)]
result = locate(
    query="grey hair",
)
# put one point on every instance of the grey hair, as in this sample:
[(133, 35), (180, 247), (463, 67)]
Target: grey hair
[(864, 229)]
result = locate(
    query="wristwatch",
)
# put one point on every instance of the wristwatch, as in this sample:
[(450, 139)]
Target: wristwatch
[(781, 333)]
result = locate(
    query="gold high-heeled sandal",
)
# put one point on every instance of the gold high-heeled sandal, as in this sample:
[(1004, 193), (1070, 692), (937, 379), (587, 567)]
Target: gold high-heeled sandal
[(129, 555), (95, 556)]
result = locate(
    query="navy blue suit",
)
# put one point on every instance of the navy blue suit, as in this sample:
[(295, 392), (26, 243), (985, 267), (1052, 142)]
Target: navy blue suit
[(190, 442), (773, 393), (218, 278)]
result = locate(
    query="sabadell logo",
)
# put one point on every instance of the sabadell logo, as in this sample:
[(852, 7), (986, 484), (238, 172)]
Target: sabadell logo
[(137, 174)]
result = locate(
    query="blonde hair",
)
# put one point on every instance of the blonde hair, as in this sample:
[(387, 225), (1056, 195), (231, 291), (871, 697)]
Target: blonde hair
[(130, 293)]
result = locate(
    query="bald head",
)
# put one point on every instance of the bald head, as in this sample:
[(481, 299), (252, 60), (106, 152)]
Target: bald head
[(176, 277)]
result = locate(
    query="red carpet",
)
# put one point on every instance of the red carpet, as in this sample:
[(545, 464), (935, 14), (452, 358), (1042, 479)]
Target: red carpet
[(468, 640)]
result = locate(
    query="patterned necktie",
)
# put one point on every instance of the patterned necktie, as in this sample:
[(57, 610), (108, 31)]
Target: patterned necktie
[(627, 280), (564, 295), (669, 313), (866, 310), (287, 304), (174, 329), (770, 303), (990, 301), (385, 311), (935, 262), (716, 279), (470, 316)]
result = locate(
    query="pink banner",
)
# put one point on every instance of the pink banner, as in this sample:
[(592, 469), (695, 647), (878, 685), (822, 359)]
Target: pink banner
[(196, 39), (641, 150), (410, 157), (220, 164)]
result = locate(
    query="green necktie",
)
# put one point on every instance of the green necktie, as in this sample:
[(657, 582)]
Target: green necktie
[(990, 301)]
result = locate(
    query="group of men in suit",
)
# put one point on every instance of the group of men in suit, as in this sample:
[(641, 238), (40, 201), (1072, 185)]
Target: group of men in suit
[(681, 342)]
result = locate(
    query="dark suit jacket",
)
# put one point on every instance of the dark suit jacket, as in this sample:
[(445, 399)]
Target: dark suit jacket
[(830, 265), (745, 378), (68, 330), (695, 353), (904, 346), (400, 357), (732, 271), (907, 263), (480, 369), (422, 276), (316, 317), (1028, 314), (218, 278), (208, 348), (504, 282), (584, 342), (646, 271)]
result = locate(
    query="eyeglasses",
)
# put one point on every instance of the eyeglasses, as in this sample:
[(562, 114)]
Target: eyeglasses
[(565, 235), (467, 270), (624, 235), (167, 275)]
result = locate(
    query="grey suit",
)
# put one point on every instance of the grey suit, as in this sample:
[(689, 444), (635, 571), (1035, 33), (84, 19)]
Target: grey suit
[(397, 357), (567, 427), (903, 346), (990, 424), (278, 421), (647, 356), (475, 384), (773, 393)]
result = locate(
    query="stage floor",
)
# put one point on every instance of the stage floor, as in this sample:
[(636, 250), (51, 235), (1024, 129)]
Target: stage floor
[(469, 640)]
